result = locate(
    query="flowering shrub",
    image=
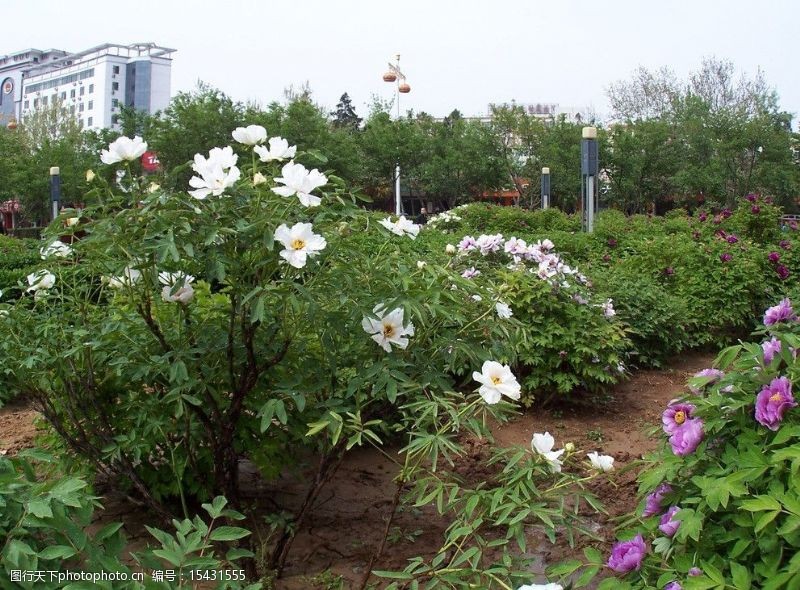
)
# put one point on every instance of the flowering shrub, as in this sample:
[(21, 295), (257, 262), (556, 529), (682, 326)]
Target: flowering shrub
[(239, 320), (722, 504)]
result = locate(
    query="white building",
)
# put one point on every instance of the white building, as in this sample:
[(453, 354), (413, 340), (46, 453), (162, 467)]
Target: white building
[(92, 84)]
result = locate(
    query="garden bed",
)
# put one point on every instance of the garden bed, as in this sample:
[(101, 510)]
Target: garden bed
[(349, 517)]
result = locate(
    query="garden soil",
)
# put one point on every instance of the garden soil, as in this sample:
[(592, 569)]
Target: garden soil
[(347, 522)]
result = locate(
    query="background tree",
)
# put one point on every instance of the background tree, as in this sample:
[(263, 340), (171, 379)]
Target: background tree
[(345, 114)]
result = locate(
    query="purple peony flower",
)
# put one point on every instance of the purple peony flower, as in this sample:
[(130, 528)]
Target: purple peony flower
[(773, 257), (627, 556), (783, 272), (673, 586), (721, 233), (769, 200), (770, 348), (725, 256), (676, 416), (785, 244), (696, 235), (667, 524), (732, 239), (793, 224), (725, 213), (470, 273), (695, 571), (612, 243), (755, 209), (652, 503), (687, 438), (751, 197), (715, 375), (606, 258), (669, 271), (467, 244), (779, 313), (703, 216), (773, 401)]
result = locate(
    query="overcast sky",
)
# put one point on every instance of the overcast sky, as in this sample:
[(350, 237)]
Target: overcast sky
[(456, 54)]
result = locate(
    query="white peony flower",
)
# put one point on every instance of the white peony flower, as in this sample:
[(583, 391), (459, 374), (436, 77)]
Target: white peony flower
[(503, 310), (41, 279), (300, 243), (421, 264), (470, 273), (259, 178), (543, 445), (475, 297), (496, 381), (123, 148), (401, 227), (299, 181), (278, 150), (450, 249), (549, 586), (130, 276), (72, 221), (388, 329), (57, 248), (154, 187), (183, 294), (216, 173), (601, 462), (608, 308), (250, 135)]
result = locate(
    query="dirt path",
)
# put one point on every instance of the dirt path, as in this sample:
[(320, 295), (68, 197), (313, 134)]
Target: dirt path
[(348, 520)]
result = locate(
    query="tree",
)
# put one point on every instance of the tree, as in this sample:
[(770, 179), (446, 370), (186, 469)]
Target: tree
[(345, 114)]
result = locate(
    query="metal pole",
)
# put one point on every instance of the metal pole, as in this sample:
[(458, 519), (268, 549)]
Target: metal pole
[(545, 188), (589, 168), (398, 200), (55, 189)]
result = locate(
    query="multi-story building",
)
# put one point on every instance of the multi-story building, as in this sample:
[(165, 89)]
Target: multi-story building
[(93, 84)]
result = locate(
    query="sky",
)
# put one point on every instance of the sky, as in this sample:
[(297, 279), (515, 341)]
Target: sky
[(461, 55)]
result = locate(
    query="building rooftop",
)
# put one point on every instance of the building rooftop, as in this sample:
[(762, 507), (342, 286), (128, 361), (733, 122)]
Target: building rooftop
[(126, 51)]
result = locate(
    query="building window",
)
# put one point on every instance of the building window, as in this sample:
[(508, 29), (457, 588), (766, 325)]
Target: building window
[(91, 88), (114, 103), (72, 93), (26, 104), (89, 122), (35, 102), (91, 105), (83, 90), (114, 119), (44, 101), (80, 108), (72, 110), (115, 69), (63, 96), (115, 86)]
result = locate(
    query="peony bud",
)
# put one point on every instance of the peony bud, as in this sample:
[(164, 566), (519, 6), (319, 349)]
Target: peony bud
[(259, 178), (89, 176), (450, 249)]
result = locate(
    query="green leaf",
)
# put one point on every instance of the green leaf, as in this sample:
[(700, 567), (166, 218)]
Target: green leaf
[(228, 533), (40, 508), (740, 576), (57, 552), (760, 503)]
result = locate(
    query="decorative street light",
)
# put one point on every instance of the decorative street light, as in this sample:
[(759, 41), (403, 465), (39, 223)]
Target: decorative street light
[(589, 176), (394, 74), (545, 188)]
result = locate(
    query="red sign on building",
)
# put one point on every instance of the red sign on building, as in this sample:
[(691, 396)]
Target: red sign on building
[(150, 162)]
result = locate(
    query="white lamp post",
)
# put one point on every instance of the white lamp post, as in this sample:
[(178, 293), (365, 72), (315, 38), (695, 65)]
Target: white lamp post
[(394, 74), (589, 176)]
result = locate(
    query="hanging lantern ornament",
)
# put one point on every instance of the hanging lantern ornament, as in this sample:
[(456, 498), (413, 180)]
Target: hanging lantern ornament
[(389, 76), (404, 88)]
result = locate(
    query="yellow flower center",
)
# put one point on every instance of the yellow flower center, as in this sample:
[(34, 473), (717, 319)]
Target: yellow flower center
[(298, 244), (496, 380), (388, 330), (775, 397), (680, 417)]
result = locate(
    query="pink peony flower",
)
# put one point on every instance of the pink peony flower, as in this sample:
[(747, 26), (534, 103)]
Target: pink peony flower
[(695, 571), (751, 197), (773, 401), (755, 209), (676, 416), (785, 244), (779, 313), (725, 256), (773, 257), (726, 213), (770, 348), (667, 524), (687, 438), (732, 239), (627, 556), (673, 586), (652, 503), (783, 272)]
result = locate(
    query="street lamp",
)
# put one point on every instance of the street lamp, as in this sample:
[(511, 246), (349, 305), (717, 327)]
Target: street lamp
[(589, 176), (545, 188), (394, 74)]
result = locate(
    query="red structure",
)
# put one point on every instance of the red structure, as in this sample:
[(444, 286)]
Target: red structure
[(8, 211)]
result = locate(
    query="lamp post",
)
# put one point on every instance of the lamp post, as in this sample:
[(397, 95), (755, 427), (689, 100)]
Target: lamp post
[(545, 188), (589, 176), (394, 74), (55, 189)]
